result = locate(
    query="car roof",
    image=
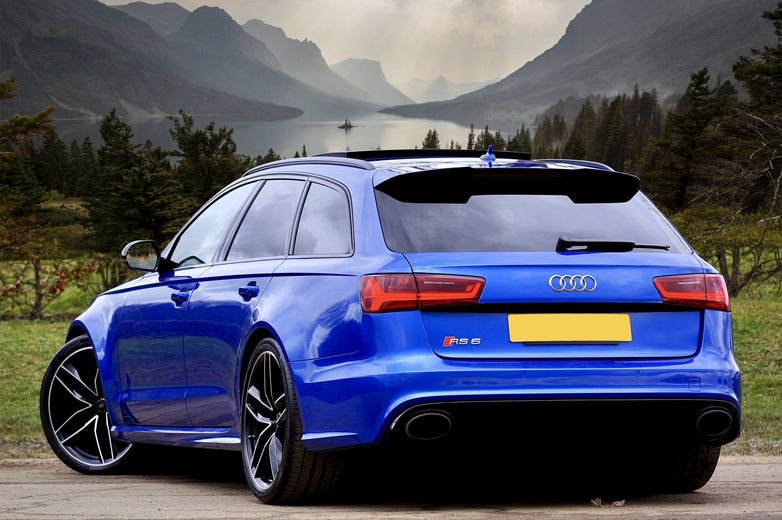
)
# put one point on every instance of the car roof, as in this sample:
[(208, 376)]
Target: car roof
[(381, 165)]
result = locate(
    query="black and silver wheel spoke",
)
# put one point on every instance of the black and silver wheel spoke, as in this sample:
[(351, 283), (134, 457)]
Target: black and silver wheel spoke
[(78, 414), (265, 419)]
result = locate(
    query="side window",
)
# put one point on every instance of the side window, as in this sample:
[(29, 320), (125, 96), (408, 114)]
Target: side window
[(199, 242), (264, 231), (324, 227)]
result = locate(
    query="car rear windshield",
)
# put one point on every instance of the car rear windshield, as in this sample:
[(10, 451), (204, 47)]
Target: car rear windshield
[(519, 223)]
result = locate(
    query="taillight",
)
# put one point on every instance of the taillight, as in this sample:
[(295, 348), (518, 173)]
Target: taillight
[(396, 292), (707, 291)]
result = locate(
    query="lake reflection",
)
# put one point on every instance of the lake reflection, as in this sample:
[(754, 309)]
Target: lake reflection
[(253, 138)]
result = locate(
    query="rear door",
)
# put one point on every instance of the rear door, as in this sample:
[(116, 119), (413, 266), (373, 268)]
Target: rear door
[(220, 313), (539, 302)]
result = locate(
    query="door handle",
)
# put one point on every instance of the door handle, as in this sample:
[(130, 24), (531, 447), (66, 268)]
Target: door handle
[(180, 297), (249, 291)]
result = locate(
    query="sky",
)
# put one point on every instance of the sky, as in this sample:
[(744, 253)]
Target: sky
[(464, 40)]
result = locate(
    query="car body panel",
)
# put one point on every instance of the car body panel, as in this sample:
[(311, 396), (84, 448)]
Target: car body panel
[(355, 373)]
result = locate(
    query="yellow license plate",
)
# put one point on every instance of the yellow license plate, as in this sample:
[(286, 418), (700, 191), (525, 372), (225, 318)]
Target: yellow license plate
[(569, 328)]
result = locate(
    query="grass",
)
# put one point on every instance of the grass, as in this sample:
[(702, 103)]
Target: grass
[(27, 346), (757, 329), (25, 350)]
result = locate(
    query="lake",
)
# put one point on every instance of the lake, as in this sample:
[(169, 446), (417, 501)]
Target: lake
[(253, 138)]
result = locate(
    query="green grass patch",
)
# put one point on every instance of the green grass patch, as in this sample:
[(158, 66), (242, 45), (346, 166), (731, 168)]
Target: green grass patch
[(757, 329), (27, 346), (25, 350)]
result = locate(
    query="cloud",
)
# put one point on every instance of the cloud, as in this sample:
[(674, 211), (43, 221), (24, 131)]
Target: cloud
[(465, 40)]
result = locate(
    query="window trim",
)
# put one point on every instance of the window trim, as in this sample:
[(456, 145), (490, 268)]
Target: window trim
[(169, 249), (222, 258), (328, 183), (307, 178)]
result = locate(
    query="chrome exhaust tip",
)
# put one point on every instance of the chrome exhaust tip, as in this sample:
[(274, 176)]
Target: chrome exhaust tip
[(713, 423), (429, 425)]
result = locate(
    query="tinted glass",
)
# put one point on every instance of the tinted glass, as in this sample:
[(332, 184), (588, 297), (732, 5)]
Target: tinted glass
[(324, 228), (265, 229), (519, 223), (199, 242)]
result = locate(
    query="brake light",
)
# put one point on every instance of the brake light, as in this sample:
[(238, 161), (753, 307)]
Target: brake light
[(396, 292), (707, 291)]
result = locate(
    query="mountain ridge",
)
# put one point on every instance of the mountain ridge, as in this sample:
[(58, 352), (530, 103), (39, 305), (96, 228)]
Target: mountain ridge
[(368, 76), (85, 58), (654, 43)]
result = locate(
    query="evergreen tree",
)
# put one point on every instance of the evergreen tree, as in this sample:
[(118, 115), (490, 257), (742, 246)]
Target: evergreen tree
[(686, 143), (148, 199), (116, 157), (208, 158), (431, 141), (270, 156), (471, 138), (51, 165), (20, 192)]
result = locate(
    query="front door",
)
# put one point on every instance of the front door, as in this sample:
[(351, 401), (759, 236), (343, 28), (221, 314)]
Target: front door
[(150, 327)]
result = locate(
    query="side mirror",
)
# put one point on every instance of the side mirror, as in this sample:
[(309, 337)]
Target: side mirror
[(141, 255)]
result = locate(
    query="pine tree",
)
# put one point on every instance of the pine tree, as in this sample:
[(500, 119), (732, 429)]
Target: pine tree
[(148, 200), (471, 138), (270, 156), (50, 161), (117, 156), (20, 192), (431, 141), (208, 158)]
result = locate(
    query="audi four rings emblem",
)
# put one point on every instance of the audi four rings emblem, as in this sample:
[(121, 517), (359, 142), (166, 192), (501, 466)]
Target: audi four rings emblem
[(572, 283)]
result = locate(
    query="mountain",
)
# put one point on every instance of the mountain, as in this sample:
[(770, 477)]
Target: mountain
[(304, 61), (85, 58), (211, 27), (217, 53), (439, 89), (165, 19), (610, 46), (368, 76)]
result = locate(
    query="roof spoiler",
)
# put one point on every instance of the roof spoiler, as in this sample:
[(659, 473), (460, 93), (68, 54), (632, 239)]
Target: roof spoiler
[(457, 185)]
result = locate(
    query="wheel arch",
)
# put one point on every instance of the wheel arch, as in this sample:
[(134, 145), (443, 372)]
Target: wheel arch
[(75, 330), (260, 332)]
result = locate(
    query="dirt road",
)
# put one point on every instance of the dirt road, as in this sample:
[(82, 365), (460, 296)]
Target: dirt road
[(743, 487)]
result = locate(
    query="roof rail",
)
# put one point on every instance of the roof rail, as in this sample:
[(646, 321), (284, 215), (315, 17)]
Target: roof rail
[(377, 155), (316, 159)]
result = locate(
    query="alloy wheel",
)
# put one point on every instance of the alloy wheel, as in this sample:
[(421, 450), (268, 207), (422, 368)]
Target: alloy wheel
[(265, 420), (78, 413)]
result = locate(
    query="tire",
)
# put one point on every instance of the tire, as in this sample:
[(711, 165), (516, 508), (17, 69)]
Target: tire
[(280, 470), (692, 467), (74, 412)]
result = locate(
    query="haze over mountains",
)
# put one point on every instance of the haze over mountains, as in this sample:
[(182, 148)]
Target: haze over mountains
[(86, 58), (610, 46)]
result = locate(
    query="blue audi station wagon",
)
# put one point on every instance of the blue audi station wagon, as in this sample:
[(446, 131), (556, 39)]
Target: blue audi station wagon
[(322, 304)]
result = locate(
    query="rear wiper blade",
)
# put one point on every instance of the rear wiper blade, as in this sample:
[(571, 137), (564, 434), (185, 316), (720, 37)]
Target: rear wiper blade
[(619, 246)]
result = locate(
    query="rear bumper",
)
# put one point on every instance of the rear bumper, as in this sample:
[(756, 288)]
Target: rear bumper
[(351, 403), (353, 400)]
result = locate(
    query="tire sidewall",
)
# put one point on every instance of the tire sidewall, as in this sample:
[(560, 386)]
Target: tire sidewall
[(66, 350), (269, 494)]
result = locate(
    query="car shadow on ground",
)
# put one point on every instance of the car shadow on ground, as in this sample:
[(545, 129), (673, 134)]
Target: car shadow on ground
[(468, 473)]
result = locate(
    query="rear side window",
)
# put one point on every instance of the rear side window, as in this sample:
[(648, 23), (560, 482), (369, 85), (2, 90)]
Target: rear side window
[(519, 223), (265, 229), (324, 227)]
